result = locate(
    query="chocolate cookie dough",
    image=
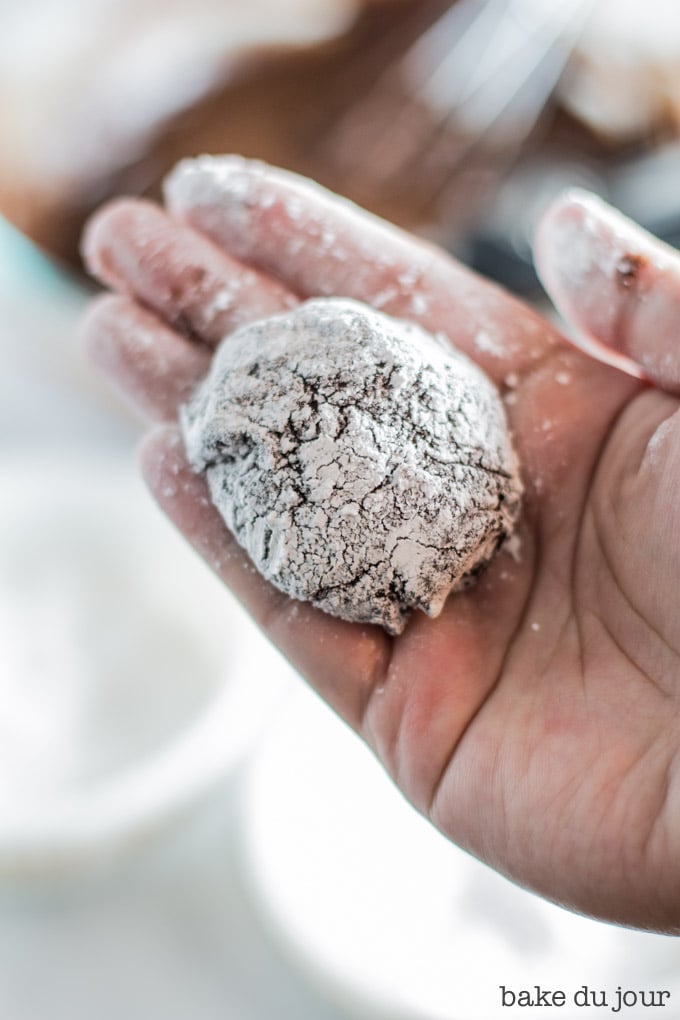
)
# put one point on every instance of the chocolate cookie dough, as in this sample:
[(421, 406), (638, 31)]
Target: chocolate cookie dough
[(363, 466)]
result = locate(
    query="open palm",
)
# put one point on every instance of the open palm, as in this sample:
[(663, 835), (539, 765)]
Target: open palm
[(535, 721)]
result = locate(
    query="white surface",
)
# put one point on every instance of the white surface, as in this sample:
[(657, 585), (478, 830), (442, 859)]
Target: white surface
[(391, 919), (169, 936)]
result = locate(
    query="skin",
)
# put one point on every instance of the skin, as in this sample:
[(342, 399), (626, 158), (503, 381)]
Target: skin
[(535, 721)]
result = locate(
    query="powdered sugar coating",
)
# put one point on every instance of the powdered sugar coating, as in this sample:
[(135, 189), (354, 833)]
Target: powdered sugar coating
[(362, 466)]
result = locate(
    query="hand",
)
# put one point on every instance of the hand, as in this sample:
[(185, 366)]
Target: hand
[(536, 720)]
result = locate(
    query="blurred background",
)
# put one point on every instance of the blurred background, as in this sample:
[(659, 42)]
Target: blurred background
[(185, 831)]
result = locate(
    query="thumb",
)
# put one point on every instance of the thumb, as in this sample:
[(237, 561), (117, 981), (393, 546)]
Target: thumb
[(615, 284)]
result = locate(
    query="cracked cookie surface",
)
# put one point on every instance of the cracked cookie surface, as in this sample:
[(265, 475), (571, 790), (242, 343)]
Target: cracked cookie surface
[(363, 466)]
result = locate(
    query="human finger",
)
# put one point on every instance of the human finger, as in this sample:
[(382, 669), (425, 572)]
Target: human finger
[(616, 284), (319, 244), (134, 247), (153, 366)]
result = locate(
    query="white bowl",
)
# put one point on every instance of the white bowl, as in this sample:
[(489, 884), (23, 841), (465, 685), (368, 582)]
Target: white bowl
[(131, 682), (392, 920)]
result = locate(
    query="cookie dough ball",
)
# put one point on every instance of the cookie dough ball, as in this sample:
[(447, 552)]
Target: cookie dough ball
[(363, 466)]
